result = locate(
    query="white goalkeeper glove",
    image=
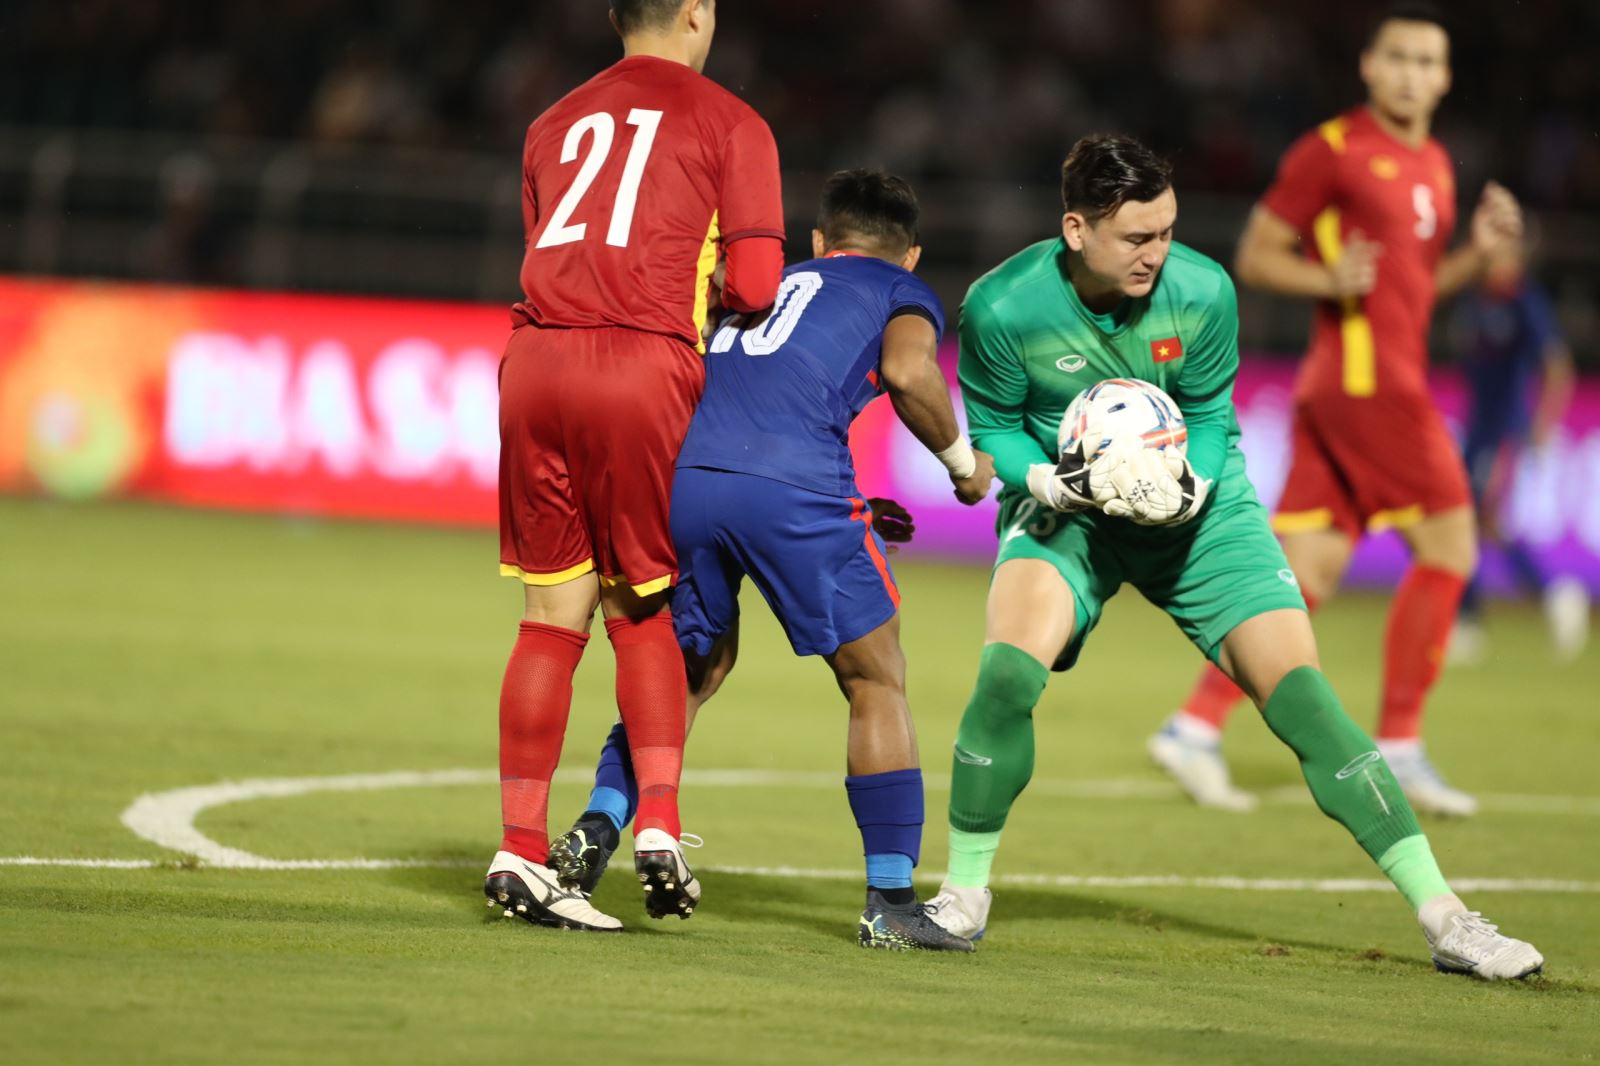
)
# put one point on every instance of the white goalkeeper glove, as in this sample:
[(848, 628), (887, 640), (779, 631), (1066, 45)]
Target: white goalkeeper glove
[(1074, 485), (1157, 487)]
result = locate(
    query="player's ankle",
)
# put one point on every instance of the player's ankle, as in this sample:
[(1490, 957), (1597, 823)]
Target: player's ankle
[(1434, 913)]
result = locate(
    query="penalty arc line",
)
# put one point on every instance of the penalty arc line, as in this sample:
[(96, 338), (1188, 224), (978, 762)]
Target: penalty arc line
[(1236, 884), (167, 820)]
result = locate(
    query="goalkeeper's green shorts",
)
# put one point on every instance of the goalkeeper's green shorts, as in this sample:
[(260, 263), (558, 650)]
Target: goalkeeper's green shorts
[(1209, 574)]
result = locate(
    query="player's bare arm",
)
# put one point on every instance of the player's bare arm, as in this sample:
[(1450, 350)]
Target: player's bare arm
[(1556, 388), (1496, 222), (1270, 258), (921, 397)]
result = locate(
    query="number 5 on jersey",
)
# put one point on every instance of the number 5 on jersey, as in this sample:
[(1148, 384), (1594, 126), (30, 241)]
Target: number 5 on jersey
[(602, 129)]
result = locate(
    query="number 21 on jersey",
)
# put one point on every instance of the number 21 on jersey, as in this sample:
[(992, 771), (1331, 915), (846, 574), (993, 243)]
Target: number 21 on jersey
[(601, 130)]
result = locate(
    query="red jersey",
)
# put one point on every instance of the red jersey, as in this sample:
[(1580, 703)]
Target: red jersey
[(1350, 175), (629, 184)]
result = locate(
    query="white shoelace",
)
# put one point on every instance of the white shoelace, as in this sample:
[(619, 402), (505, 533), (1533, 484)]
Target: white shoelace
[(692, 840)]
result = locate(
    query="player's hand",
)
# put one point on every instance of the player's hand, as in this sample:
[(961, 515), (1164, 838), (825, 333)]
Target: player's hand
[(893, 522), (1355, 273), (1497, 220), (1157, 487), (1073, 484), (973, 488)]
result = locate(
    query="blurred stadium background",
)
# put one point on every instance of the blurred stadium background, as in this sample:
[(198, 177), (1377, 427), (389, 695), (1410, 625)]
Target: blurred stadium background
[(342, 147), (258, 256)]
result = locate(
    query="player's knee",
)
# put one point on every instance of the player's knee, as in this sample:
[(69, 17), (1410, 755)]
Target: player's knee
[(1008, 687), (1447, 541), (882, 672)]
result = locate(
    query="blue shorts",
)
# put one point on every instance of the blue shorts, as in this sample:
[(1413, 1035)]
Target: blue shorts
[(815, 558)]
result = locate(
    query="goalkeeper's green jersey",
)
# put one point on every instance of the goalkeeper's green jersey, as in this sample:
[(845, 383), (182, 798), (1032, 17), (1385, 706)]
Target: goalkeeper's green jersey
[(1029, 346)]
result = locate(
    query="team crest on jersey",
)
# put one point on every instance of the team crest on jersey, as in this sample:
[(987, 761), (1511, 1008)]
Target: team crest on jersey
[(1166, 351), (1071, 364), (1385, 167)]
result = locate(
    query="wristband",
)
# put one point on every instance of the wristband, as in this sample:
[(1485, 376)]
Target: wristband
[(958, 459)]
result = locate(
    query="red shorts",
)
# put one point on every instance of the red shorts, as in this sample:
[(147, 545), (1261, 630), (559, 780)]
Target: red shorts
[(591, 422), (1369, 463)]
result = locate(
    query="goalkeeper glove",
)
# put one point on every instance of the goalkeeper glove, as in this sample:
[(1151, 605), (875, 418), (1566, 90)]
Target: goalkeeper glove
[(1157, 487), (1073, 484)]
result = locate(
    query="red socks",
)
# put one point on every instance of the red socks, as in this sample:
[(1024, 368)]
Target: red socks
[(1215, 696), (535, 699), (1420, 618), (652, 692)]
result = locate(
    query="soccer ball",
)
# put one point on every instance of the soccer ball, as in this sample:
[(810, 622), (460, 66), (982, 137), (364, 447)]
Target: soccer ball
[(1121, 413)]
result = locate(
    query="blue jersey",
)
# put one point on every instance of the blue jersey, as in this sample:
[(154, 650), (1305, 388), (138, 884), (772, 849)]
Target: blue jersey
[(1505, 341), (783, 388)]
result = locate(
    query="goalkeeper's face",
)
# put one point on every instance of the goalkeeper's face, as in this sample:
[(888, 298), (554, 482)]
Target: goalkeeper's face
[(1125, 250)]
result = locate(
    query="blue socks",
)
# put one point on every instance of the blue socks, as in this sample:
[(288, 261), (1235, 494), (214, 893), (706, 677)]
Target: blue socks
[(888, 810), (616, 794)]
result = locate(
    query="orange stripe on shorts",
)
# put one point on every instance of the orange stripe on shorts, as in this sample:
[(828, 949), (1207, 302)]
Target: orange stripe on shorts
[(859, 513)]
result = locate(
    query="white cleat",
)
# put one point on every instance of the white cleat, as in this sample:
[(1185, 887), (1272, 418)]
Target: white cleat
[(961, 911), (1198, 767), (670, 887), (1423, 785), (1469, 644), (1566, 612), (1468, 944), (533, 893)]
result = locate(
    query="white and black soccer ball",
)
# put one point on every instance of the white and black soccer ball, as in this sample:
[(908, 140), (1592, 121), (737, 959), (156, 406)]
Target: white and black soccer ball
[(1121, 413)]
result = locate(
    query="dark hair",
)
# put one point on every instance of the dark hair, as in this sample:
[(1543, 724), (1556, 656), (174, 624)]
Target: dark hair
[(635, 15), (1413, 11), (1105, 170), (870, 207)]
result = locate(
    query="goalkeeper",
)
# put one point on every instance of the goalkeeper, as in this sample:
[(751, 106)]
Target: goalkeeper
[(1115, 296)]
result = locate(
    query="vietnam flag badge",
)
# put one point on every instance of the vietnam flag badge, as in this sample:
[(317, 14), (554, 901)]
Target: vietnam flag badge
[(1166, 351)]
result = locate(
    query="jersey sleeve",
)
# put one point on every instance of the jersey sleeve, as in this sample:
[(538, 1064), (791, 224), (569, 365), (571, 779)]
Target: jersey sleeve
[(750, 200), (1304, 185), (1204, 391), (994, 388), (910, 295)]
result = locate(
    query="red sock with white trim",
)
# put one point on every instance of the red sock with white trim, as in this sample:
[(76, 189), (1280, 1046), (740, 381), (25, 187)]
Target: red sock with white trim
[(535, 699), (652, 694), (1420, 619)]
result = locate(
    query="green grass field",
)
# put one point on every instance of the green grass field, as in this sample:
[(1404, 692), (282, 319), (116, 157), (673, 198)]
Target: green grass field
[(144, 650)]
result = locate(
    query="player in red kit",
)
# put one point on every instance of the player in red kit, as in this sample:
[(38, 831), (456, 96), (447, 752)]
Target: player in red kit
[(1359, 219), (636, 186)]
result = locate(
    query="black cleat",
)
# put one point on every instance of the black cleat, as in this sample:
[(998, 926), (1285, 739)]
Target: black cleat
[(579, 856), (521, 889), (904, 927)]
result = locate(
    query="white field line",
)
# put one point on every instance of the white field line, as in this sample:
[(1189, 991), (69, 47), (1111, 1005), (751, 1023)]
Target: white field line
[(167, 820), (1237, 884)]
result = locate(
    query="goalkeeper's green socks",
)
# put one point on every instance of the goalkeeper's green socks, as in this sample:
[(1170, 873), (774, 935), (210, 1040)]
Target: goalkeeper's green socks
[(993, 758), (1351, 782)]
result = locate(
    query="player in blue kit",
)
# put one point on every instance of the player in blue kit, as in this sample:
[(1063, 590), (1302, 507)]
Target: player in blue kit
[(1520, 379), (765, 488)]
